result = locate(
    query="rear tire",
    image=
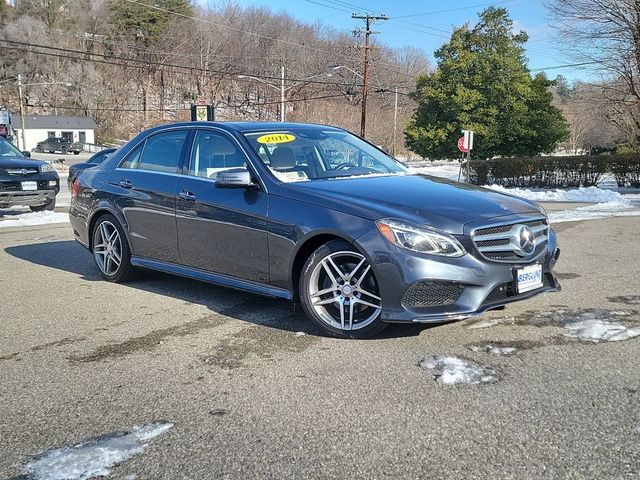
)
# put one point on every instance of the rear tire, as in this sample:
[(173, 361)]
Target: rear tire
[(339, 292), (110, 250), (64, 151), (39, 149), (47, 206)]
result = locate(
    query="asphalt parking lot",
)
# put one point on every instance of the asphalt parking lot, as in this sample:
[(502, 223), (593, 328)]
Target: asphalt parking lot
[(252, 391)]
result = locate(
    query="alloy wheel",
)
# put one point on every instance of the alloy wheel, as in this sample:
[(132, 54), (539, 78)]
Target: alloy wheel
[(343, 291), (107, 248)]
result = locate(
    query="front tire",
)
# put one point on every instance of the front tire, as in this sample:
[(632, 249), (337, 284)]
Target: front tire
[(339, 292), (111, 250), (50, 205)]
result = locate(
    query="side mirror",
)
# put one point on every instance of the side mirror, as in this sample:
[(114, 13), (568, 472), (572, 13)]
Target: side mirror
[(235, 178), (26, 153)]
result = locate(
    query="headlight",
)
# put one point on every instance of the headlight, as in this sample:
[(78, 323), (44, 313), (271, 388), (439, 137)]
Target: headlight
[(419, 239), (46, 167)]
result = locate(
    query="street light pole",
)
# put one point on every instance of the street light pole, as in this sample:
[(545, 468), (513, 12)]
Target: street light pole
[(21, 111)]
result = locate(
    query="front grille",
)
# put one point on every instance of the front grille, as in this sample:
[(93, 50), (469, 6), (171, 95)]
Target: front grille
[(432, 294), (506, 292), (501, 243), (21, 171)]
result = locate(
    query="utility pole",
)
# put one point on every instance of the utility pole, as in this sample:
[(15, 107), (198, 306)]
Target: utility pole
[(21, 111), (395, 122), (369, 20), (282, 89)]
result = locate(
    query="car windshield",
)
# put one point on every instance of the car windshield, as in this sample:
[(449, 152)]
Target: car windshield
[(8, 150), (300, 154)]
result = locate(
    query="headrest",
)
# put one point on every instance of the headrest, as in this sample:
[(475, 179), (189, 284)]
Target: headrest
[(217, 145), (283, 158)]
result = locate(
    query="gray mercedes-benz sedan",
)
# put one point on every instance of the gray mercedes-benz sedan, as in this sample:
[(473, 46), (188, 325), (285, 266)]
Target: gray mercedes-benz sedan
[(313, 214)]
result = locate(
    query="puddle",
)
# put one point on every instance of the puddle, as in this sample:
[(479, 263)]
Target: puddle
[(626, 299), (259, 342), (567, 276), (94, 457), (449, 370)]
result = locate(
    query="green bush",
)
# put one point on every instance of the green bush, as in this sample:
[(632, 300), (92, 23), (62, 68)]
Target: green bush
[(556, 172)]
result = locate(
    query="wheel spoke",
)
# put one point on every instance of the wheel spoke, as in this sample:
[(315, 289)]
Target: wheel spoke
[(327, 301), (362, 277), (340, 273), (351, 304), (105, 263), (113, 236), (364, 302), (369, 294), (99, 248), (350, 276), (104, 232), (319, 293), (341, 302), (115, 260), (328, 271)]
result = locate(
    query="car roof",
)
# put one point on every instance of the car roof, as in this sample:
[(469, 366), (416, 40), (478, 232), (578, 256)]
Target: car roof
[(244, 127)]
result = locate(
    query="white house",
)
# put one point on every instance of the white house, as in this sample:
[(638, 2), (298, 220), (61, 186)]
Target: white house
[(40, 127)]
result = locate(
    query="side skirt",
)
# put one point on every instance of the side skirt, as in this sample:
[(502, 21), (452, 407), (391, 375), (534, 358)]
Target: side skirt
[(215, 278)]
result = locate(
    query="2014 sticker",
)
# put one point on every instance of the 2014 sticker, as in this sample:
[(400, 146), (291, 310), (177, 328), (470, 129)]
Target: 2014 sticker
[(271, 138)]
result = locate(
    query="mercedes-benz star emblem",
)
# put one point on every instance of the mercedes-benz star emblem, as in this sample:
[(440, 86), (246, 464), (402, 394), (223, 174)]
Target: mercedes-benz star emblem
[(526, 240)]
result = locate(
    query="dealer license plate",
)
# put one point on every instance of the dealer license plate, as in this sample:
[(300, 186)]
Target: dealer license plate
[(529, 278), (29, 185)]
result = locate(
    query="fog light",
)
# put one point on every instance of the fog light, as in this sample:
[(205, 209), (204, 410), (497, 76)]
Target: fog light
[(52, 183)]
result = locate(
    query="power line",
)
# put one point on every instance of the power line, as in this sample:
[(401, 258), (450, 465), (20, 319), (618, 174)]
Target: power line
[(434, 12)]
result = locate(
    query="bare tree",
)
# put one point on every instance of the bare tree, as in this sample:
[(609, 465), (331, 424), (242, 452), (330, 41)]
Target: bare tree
[(605, 34)]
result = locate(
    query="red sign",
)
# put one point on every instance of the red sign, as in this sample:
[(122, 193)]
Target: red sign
[(461, 145)]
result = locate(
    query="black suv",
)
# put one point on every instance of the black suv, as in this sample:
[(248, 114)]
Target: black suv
[(58, 144), (23, 181)]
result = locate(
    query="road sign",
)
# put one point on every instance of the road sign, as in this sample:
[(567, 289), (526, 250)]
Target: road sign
[(461, 146)]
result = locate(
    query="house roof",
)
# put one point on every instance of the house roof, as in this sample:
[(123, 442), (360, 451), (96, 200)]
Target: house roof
[(56, 122)]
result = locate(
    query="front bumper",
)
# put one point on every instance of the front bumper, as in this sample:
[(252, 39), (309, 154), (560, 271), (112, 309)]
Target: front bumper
[(426, 288), (11, 192)]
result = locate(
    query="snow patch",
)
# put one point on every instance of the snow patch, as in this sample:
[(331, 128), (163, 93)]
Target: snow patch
[(582, 194), (34, 218), (618, 208), (94, 457), (491, 322), (601, 331), (299, 334), (493, 349), (448, 370)]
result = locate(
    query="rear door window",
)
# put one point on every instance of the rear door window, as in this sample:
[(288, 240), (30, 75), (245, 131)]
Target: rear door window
[(159, 153)]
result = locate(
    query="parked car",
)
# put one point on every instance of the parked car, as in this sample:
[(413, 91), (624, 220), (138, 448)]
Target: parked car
[(59, 145), (24, 181), (96, 159), (259, 207)]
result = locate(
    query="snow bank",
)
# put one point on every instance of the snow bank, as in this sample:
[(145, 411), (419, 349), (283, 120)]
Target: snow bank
[(438, 169), (94, 457), (601, 331), (618, 208), (33, 218), (448, 370), (582, 194)]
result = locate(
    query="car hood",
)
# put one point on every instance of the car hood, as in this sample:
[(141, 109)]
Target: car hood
[(438, 202), (19, 162)]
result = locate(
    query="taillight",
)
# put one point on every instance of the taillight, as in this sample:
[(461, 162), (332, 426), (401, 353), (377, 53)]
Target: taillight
[(75, 188)]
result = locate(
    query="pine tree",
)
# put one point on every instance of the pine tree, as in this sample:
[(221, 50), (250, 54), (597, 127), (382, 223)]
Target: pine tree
[(482, 83)]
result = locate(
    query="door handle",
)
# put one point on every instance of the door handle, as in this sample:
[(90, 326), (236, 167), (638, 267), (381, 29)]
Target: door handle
[(186, 195), (126, 183)]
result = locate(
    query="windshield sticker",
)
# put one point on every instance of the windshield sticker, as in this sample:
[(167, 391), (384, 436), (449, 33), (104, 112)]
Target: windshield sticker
[(272, 138)]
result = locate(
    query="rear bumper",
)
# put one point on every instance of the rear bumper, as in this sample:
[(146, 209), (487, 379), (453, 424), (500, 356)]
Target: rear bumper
[(424, 289)]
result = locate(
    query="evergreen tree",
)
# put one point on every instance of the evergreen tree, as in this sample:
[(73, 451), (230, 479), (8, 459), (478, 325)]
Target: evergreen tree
[(482, 83)]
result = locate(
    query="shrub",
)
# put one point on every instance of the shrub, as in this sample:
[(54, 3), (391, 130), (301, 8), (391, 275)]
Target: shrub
[(556, 172)]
